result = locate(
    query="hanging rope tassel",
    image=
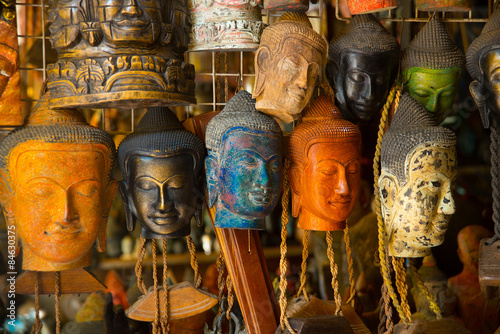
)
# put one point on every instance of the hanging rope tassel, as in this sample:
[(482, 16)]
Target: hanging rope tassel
[(384, 266), (430, 297), (37, 326), (194, 262), (221, 266), (285, 199), (138, 267), (495, 171), (58, 308), (402, 286), (303, 266), (352, 289), (156, 323), (165, 325), (334, 270)]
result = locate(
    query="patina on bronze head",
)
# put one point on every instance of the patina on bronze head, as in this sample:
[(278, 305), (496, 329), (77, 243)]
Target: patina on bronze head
[(431, 68), (243, 165), (418, 163), (483, 64), (362, 65), (10, 91), (56, 188), (119, 53), (287, 66), (325, 170), (162, 186)]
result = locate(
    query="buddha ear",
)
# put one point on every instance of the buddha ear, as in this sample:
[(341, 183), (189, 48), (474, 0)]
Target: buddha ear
[(7, 198), (388, 188), (211, 170), (480, 94), (263, 58), (295, 177), (129, 217), (109, 196)]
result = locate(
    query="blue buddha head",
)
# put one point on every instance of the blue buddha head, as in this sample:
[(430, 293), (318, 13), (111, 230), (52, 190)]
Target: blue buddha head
[(244, 164)]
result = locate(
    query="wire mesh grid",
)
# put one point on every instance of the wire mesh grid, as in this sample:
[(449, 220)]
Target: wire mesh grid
[(214, 71)]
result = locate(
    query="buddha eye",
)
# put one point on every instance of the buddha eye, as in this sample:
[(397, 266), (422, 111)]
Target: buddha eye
[(145, 184), (447, 93), (177, 182), (249, 161), (421, 93), (87, 189), (353, 170), (356, 77), (329, 172), (42, 190), (275, 165)]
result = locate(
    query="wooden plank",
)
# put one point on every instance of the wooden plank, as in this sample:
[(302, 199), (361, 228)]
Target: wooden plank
[(73, 281), (489, 267)]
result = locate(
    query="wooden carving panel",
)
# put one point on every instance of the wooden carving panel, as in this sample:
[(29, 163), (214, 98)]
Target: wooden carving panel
[(119, 53)]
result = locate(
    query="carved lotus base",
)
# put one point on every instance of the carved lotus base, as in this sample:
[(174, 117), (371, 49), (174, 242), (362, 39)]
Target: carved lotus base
[(120, 82)]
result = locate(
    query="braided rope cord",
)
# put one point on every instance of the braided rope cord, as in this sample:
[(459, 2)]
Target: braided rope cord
[(217, 80), (156, 322), (138, 266), (166, 302), (37, 326), (285, 199), (401, 284), (430, 297), (303, 266), (226, 79), (221, 266), (194, 262), (230, 297), (58, 302), (334, 270), (494, 171), (394, 95), (352, 283)]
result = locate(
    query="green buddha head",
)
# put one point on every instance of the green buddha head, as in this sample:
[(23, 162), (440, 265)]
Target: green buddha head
[(432, 67)]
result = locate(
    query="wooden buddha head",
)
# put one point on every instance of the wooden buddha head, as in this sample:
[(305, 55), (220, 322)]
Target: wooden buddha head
[(56, 188), (10, 92), (161, 165), (244, 164), (234, 25), (418, 173), (287, 66), (431, 68), (483, 60), (325, 171), (362, 65), (119, 53)]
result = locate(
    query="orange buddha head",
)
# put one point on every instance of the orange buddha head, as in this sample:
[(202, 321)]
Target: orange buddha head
[(325, 169)]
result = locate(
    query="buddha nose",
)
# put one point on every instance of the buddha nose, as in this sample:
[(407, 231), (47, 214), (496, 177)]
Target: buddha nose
[(67, 211), (163, 202), (447, 204), (262, 177), (301, 80), (342, 187), (369, 89), (432, 105), (130, 8)]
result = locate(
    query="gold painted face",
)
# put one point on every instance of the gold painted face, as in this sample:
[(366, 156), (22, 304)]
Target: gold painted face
[(60, 203), (491, 68), (416, 215)]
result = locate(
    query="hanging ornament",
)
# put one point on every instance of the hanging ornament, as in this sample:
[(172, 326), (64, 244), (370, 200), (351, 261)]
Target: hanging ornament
[(443, 5), (225, 25), (119, 54), (362, 65), (483, 60), (418, 162), (370, 6), (431, 67), (243, 165), (287, 66), (10, 91)]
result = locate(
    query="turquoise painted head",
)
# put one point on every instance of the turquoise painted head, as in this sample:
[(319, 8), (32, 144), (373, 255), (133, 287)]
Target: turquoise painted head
[(244, 164)]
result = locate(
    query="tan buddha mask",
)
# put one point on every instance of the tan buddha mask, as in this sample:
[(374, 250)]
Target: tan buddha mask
[(56, 189), (325, 172), (418, 173), (287, 65)]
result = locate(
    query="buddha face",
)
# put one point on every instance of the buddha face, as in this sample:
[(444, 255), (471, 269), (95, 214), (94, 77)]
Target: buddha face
[(130, 21), (329, 184), (362, 84), (61, 199), (162, 194), (434, 89), (416, 215), (287, 79), (490, 65), (249, 175)]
